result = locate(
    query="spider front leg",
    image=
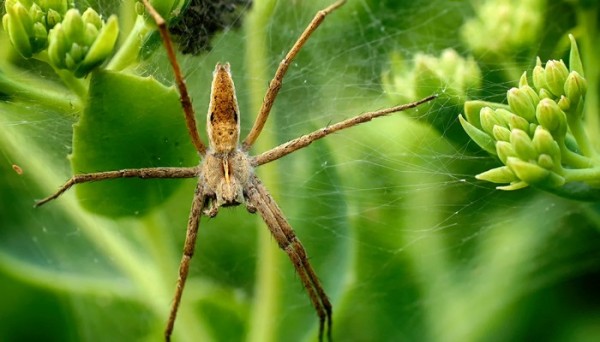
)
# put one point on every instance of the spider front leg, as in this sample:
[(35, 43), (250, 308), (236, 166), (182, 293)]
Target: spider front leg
[(144, 173), (260, 199), (277, 81), (186, 101), (307, 139)]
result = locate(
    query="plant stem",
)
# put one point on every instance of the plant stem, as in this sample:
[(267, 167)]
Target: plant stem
[(573, 159), (267, 287), (581, 136), (128, 52), (591, 175), (589, 53), (38, 90), (78, 86)]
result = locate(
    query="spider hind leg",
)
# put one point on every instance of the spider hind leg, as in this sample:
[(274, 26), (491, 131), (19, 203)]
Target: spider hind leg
[(260, 199)]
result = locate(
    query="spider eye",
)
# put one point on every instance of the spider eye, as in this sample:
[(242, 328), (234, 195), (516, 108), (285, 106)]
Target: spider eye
[(212, 117), (235, 116)]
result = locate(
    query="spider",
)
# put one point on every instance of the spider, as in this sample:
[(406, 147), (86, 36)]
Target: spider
[(226, 171)]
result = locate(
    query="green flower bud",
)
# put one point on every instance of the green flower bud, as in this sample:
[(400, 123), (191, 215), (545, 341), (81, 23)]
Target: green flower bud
[(52, 18), (57, 47), (76, 52), (92, 17), (504, 150), (523, 80), (36, 13), (426, 75), (503, 115), (539, 75), (517, 122), (529, 172), (70, 62), (545, 161), (544, 143), (501, 133), (533, 95), (102, 47), (489, 119), (501, 174), (39, 38), (72, 25), (551, 117), (19, 26), (534, 174), (59, 6), (521, 104), (91, 32), (532, 128), (575, 86), (564, 103), (545, 94), (548, 149), (556, 75), (574, 59), (522, 145)]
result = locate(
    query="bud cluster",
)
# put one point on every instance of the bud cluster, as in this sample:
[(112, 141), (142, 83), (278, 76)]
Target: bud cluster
[(73, 41), (502, 27), (450, 75), (82, 41), (535, 135), (28, 23)]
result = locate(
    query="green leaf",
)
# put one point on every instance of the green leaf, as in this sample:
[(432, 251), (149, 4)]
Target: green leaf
[(480, 137), (122, 112)]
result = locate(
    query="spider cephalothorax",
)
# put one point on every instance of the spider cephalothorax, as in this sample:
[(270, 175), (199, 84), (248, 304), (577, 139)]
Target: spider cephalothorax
[(225, 169)]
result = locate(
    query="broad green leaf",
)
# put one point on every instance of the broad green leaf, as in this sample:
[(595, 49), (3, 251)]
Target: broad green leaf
[(113, 133)]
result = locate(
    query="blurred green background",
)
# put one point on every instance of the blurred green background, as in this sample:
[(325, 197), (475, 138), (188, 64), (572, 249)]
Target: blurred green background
[(408, 245)]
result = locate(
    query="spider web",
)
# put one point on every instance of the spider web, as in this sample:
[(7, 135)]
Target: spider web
[(408, 245)]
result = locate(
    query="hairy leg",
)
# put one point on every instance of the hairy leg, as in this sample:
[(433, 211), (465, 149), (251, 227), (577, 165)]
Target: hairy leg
[(305, 140), (154, 172), (186, 102), (277, 80), (281, 230), (188, 252)]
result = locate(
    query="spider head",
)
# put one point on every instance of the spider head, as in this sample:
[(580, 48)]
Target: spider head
[(223, 121)]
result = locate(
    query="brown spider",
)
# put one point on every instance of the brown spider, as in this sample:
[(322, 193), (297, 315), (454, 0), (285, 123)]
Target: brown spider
[(226, 172)]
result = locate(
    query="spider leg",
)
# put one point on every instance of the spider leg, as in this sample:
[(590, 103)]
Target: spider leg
[(305, 140), (276, 82), (287, 240), (188, 252), (154, 172), (186, 102)]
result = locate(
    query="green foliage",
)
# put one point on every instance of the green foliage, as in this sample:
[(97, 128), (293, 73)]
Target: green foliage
[(408, 243), (103, 140)]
